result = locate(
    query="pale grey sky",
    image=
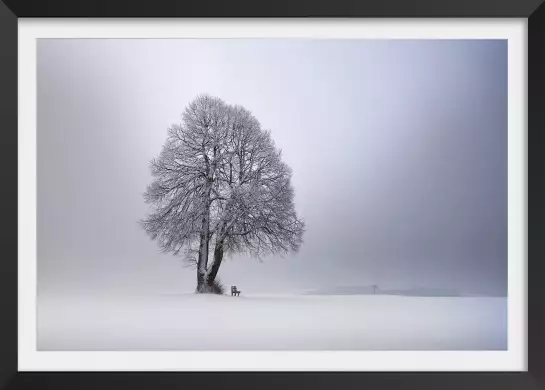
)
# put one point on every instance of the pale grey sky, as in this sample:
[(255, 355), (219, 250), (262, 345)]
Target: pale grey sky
[(398, 148)]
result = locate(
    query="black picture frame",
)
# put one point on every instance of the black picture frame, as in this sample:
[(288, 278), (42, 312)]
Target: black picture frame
[(532, 10)]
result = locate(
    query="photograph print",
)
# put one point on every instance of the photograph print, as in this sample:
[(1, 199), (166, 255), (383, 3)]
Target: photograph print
[(271, 194)]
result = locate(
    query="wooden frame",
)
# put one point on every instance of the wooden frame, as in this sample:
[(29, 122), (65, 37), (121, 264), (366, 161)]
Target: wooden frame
[(533, 10)]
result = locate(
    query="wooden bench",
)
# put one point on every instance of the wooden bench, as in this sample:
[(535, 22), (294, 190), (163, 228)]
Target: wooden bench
[(234, 291)]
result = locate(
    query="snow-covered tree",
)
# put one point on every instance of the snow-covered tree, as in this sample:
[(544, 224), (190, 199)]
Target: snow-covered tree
[(220, 179)]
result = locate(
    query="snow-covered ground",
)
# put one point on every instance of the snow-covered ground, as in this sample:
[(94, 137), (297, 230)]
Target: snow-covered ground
[(271, 322)]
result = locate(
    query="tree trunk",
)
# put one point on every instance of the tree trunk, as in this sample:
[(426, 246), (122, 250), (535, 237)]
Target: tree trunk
[(202, 261), (218, 257)]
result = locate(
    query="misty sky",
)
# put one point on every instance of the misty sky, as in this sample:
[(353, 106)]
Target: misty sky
[(398, 150)]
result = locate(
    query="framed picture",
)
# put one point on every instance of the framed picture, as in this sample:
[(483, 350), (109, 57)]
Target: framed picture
[(309, 194)]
